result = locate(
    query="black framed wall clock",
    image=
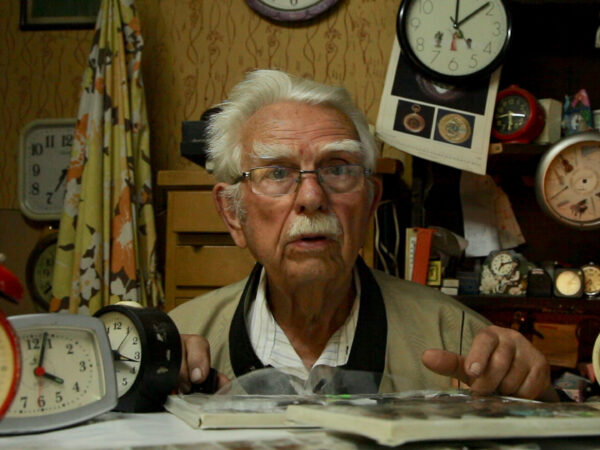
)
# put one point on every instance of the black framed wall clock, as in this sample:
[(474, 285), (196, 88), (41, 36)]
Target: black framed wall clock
[(291, 10), (454, 41)]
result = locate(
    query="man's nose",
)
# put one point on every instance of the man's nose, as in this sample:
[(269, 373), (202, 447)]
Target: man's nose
[(310, 195)]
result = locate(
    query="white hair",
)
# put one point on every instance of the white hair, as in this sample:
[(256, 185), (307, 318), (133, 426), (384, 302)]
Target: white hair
[(264, 87)]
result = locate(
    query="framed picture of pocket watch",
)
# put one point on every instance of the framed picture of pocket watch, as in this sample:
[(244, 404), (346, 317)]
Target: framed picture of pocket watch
[(567, 181)]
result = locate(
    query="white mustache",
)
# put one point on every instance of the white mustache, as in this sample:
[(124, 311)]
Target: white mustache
[(323, 224)]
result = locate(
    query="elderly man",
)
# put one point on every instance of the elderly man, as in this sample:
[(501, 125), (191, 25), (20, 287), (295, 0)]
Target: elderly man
[(294, 161)]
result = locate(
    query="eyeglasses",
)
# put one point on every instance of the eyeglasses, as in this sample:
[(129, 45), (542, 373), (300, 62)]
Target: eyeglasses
[(278, 180)]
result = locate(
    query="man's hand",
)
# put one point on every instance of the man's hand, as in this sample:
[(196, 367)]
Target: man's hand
[(195, 363), (500, 360)]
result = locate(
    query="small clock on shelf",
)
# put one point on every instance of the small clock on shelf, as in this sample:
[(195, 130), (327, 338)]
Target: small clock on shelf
[(504, 272), (568, 282), (44, 156), (291, 10), (518, 117), (454, 42), (591, 278)]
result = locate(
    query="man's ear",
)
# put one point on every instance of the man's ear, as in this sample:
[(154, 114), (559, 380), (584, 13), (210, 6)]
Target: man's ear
[(229, 215), (377, 186)]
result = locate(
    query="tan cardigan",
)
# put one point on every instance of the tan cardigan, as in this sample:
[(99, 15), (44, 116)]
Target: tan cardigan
[(417, 318)]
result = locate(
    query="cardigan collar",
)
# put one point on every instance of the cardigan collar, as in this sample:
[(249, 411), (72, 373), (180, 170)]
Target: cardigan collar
[(368, 347)]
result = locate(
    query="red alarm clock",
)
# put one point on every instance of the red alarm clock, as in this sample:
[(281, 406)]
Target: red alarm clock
[(10, 364), (518, 117)]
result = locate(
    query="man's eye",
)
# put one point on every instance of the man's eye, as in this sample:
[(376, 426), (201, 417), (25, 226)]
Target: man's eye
[(279, 173), (337, 170)]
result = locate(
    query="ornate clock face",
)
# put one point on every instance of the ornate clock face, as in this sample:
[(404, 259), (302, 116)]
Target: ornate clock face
[(43, 162), (454, 40), (454, 128), (503, 264), (568, 181), (291, 10)]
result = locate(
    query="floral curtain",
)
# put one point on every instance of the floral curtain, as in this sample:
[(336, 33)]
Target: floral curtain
[(107, 236)]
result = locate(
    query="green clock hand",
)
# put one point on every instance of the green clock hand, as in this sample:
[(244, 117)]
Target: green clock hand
[(478, 10)]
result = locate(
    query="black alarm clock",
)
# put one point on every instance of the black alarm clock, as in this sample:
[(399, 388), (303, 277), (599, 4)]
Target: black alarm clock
[(146, 350), (539, 283)]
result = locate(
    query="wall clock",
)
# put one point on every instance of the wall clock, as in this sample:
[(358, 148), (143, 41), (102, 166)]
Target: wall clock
[(44, 155), (567, 182), (10, 364), (40, 270), (518, 117), (291, 10), (454, 41), (147, 354), (67, 373)]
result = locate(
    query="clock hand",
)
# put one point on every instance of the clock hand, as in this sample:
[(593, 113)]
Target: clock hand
[(456, 13), (481, 8), (53, 378), (42, 350), (63, 174), (119, 357), (562, 190)]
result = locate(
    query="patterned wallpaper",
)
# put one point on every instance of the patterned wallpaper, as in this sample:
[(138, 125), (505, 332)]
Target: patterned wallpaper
[(195, 51)]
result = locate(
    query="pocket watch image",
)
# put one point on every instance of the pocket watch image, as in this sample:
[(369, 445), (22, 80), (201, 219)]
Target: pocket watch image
[(67, 373), (567, 181), (414, 122), (568, 282), (454, 41), (454, 128), (591, 278), (146, 349)]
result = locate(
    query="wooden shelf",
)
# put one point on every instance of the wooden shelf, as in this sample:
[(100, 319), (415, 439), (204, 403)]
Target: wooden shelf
[(580, 306)]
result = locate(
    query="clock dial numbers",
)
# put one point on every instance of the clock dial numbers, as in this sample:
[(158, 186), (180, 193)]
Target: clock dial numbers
[(454, 40), (59, 372), (44, 161), (572, 183), (126, 347)]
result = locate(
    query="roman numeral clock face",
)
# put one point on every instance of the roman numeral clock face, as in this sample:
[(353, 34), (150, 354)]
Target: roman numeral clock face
[(454, 40)]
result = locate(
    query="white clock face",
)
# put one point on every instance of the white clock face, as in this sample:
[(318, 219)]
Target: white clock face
[(61, 372), (44, 159), (290, 5), (572, 184), (502, 264), (126, 346), (456, 38), (568, 283)]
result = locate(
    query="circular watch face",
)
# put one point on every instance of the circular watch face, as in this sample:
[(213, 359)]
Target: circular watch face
[(568, 283), (454, 128), (127, 350), (591, 277), (454, 41), (414, 121), (503, 264), (568, 181), (40, 270), (511, 114)]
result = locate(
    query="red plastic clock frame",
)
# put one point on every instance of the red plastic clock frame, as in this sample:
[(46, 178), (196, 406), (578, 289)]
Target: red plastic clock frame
[(534, 125), (17, 363)]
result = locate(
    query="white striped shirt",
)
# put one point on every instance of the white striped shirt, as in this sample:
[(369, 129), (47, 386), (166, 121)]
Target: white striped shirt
[(273, 347)]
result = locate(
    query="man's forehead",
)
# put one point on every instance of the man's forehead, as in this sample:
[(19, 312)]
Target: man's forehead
[(274, 150)]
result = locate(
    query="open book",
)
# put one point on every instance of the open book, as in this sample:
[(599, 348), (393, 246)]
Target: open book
[(235, 411), (397, 419)]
